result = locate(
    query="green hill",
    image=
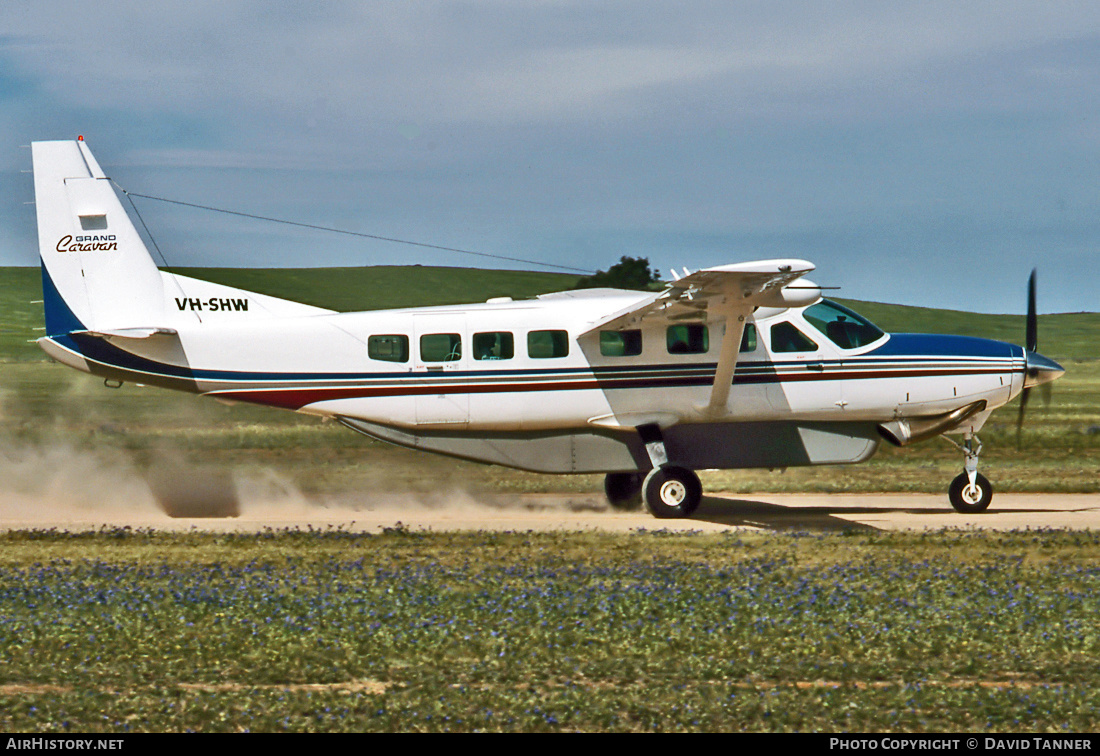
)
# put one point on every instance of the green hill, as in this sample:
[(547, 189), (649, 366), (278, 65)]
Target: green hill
[(383, 287), (20, 314)]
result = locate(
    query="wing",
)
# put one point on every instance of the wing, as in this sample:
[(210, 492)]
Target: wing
[(741, 287), (729, 293)]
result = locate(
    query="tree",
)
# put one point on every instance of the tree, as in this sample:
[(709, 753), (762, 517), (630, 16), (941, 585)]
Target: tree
[(628, 273)]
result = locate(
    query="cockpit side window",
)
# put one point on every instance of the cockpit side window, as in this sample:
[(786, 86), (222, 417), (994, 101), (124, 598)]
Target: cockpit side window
[(787, 338), (843, 327)]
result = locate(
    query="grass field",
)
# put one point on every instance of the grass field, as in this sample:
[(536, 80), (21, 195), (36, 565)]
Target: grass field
[(333, 631)]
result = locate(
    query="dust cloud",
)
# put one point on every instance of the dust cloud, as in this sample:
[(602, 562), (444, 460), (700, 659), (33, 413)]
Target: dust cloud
[(58, 485)]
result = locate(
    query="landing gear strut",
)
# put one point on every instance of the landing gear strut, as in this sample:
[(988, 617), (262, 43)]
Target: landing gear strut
[(970, 492), (668, 490)]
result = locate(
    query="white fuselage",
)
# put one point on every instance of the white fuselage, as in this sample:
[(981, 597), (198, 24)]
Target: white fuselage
[(321, 365)]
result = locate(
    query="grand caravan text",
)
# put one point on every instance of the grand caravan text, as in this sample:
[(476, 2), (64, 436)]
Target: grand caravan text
[(97, 243)]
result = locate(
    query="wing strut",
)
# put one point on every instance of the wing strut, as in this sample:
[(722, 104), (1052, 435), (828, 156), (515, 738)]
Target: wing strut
[(727, 362), (725, 292)]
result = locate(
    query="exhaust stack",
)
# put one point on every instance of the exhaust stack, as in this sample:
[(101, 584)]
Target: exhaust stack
[(909, 430)]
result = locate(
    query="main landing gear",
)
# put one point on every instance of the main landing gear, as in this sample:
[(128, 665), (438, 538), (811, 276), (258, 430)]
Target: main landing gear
[(970, 492), (668, 491)]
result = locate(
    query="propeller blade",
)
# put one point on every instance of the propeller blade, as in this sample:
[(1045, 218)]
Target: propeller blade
[(1020, 418), (1040, 370), (1032, 339)]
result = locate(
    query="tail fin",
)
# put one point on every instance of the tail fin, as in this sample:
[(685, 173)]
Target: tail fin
[(97, 275), (96, 272)]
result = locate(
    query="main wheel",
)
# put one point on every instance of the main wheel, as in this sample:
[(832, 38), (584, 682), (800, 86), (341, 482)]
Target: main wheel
[(624, 490), (672, 491), (970, 499)]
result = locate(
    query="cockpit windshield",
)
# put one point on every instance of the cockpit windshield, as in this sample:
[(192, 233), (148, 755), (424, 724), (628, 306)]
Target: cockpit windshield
[(843, 327)]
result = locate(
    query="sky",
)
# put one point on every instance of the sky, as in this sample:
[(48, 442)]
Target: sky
[(928, 153)]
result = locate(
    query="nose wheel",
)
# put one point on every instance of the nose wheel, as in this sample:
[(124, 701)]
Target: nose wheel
[(970, 497), (970, 492)]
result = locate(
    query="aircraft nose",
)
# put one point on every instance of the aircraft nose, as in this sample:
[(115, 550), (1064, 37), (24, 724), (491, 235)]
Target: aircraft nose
[(1041, 370)]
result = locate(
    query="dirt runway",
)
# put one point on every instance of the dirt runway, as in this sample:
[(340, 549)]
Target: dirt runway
[(579, 512)]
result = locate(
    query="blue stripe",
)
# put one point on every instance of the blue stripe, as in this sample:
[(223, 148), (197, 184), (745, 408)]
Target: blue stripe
[(59, 318), (912, 351), (937, 345)]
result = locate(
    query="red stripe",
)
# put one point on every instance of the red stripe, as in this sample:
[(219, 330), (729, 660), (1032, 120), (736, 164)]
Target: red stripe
[(296, 397)]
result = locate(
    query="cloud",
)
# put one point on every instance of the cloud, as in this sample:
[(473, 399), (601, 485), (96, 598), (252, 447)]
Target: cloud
[(493, 62), (499, 124)]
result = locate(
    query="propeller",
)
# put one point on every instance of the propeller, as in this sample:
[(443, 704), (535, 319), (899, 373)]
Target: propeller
[(1031, 344), (1040, 371)]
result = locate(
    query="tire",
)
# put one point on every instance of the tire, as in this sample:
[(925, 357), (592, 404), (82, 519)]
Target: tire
[(624, 491), (967, 500), (672, 492)]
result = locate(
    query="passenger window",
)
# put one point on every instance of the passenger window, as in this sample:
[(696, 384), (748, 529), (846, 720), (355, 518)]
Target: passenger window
[(846, 329), (388, 348), (787, 338), (547, 344), (440, 347), (690, 338), (620, 343), (494, 346), (748, 338)]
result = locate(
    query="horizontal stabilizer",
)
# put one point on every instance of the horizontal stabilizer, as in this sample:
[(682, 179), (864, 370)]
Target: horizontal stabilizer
[(130, 333)]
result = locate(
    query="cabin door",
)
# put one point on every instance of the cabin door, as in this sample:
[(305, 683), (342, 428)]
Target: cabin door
[(440, 366)]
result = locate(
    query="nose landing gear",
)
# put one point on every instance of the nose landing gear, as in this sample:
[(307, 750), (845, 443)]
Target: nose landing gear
[(970, 492)]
